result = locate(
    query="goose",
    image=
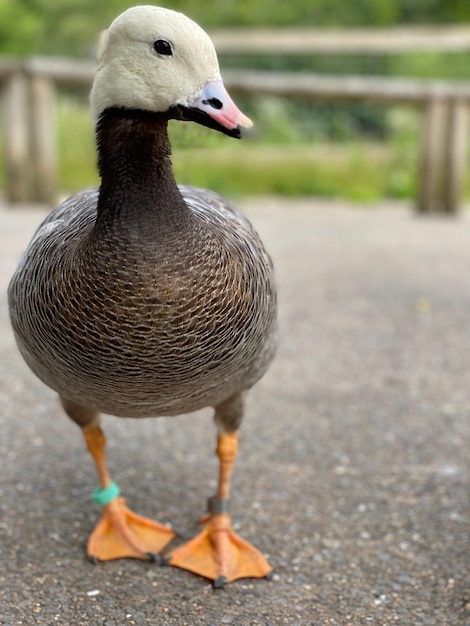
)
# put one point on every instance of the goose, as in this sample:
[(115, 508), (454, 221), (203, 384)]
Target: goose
[(141, 298)]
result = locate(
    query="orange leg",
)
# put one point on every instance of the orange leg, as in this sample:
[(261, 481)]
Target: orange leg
[(120, 532), (218, 553)]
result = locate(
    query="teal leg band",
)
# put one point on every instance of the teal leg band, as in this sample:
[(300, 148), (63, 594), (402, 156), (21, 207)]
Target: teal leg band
[(104, 496)]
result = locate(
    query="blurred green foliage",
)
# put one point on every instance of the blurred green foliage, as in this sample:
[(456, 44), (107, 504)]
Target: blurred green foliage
[(70, 27)]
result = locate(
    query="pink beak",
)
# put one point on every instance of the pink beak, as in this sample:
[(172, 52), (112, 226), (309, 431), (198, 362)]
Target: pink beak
[(216, 102)]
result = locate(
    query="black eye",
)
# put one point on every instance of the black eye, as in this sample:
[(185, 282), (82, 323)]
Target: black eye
[(163, 47)]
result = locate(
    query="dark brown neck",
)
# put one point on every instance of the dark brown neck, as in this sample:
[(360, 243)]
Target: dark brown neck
[(138, 195)]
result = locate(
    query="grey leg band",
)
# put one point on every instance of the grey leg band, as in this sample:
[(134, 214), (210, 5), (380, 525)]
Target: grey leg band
[(217, 506)]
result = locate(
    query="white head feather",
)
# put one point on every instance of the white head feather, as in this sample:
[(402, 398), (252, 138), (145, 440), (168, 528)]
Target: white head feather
[(132, 75)]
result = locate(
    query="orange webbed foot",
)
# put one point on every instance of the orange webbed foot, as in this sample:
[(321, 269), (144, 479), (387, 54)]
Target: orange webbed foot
[(219, 554), (121, 533)]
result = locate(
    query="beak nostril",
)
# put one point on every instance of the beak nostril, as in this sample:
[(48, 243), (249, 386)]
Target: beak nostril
[(214, 103)]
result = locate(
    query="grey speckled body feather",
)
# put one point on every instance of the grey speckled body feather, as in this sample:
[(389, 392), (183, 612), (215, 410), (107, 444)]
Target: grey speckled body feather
[(158, 326)]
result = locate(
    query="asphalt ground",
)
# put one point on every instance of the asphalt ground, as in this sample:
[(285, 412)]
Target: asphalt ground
[(353, 473)]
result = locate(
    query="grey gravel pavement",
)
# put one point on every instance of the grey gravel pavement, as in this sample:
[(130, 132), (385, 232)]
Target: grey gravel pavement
[(353, 474)]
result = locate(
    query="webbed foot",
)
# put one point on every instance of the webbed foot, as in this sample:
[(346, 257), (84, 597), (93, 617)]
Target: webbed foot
[(219, 554), (121, 533)]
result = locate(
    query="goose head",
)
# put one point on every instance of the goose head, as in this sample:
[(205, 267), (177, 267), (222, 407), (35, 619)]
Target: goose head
[(158, 60)]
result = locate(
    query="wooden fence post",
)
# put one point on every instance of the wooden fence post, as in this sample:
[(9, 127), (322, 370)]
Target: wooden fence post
[(456, 155), (42, 117), (17, 138), (433, 147)]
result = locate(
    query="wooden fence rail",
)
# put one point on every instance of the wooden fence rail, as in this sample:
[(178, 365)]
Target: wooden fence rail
[(28, 90), (301, 41)]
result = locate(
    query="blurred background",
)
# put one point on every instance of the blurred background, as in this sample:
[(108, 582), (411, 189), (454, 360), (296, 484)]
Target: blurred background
[(353, 148)]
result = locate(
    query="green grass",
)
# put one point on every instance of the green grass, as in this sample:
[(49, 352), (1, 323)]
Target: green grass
[(299, 170), (278, 161), (76, 145)]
